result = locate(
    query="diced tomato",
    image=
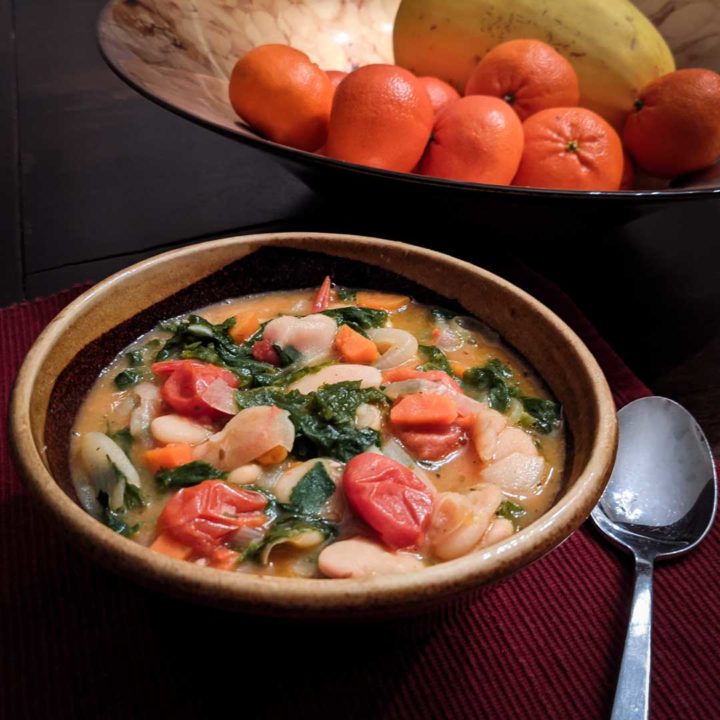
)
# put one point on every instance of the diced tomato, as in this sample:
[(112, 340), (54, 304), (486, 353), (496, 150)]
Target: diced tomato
[(431, 443), (406, 373), (389, 498), (322, 298), (203, 517), (167, 367), (263, 351), (197, 389)]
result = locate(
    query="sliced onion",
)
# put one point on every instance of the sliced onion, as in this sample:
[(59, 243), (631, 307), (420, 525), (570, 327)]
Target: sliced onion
[(250, 434), (312, 336), (403, 346), (107, 467), (414, 385), (220, 396), (395, 451), (448, 339), (147, 410)]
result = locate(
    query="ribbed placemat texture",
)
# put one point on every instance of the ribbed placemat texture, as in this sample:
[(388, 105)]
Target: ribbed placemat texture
[(76, 641)]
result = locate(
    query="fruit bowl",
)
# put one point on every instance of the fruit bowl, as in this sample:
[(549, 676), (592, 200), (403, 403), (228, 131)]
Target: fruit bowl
[(180, 55), (64, 362)]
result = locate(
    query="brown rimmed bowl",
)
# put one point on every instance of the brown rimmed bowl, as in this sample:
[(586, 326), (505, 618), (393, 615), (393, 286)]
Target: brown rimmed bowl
[(66, 359)]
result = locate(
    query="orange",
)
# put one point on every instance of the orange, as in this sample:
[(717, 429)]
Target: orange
[(675, 128), (627, 181), (382, 117), (282, 94), (476, 139), (570, 149), (441, 94), (336, 76), (528, 74)]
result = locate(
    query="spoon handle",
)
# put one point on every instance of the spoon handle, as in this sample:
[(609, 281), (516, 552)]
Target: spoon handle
[(632, 695)]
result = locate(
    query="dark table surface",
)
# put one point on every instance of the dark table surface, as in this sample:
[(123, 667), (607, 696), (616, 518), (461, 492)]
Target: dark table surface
[(93, 177)]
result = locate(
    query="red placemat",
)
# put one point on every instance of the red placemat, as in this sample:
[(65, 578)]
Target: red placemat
[(77, 641)]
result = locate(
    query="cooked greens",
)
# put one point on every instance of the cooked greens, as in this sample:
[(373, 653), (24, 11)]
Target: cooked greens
[(313, 490), (195, 338), (494, 383), (510, 510), (191, 473), (543, 415), (346, 294), (436, 360), (324, 420), (358, 318), (127, 378)]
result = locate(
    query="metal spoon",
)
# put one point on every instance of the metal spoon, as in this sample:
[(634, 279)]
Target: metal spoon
[(660, 502)]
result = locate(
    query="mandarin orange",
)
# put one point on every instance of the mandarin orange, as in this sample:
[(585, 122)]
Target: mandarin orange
[(382, 117), (675, 128), (441, 94), (282, 94), (475, 139), (530, 75), (570, 149)]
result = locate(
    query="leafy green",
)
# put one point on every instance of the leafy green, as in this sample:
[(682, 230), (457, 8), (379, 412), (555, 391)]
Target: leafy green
[(133, 497), (122, 438), (438, 313), (437, 360), (135, 358), (191, 473), (313, 490), (543, 415), (127, 378), (324, 420), (359, 319), (196, 338), (339, 402), (284, 529), (494, 382), (288, 355), (346, 294), (114, 518), (510, 510)]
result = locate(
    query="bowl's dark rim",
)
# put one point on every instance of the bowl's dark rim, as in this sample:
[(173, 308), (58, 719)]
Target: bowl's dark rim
[(262, 594), (301, 156)]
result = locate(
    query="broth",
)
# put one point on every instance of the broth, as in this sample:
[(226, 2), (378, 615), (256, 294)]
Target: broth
[(415, 466)]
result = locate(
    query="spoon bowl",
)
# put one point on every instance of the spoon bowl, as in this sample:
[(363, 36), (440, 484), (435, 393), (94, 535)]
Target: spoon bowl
[(660, 502), (661, 497)]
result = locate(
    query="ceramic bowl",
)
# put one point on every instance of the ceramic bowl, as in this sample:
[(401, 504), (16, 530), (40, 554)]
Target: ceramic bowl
[(65, 360), (180, 54)]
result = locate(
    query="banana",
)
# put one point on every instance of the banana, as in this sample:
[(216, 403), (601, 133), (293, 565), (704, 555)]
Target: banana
[(613, 47)]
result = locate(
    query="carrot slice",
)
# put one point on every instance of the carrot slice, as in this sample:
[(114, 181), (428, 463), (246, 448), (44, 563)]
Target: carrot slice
[(246, 323), (322, 298), (274, 456), (171, 456), (458, 368), (354, 348), (381, 301), (224, 559), (421, 409), (166, 544)]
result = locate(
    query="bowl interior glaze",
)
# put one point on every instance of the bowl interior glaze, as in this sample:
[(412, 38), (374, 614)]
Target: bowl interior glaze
[(64, 362), (180, 54)]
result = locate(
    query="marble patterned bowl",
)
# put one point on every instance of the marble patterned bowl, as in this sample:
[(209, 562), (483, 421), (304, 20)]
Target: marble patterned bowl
[(180, 53), (65, 360)]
